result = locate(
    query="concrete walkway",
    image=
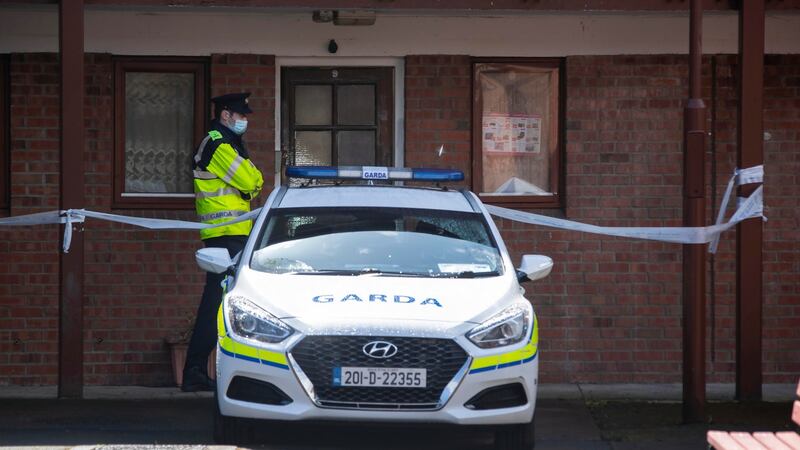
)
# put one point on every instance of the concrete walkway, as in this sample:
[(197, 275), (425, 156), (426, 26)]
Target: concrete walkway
[(567, 417), (561, 424)]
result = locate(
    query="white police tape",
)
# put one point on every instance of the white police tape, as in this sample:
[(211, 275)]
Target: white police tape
[(161, 224), (750, 207), (72, 216), (42, 218), (45, 218), (144, 222), (749, 175)]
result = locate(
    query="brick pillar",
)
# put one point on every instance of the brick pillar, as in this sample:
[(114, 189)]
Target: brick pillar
[(255, 74), (29, 255), (438, 112)]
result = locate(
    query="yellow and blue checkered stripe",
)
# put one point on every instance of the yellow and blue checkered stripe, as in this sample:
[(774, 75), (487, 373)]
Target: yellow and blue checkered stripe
[(524, 355), (246, 352)]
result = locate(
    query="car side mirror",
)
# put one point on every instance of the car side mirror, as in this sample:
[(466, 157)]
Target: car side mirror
[(534, 267), (214, 259)]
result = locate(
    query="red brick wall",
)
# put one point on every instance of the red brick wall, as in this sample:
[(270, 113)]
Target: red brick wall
[(782, 231), (143, 285), (610, 312), (438, 112), (139, 285), (722, 268), (781, 250), (29, 256)]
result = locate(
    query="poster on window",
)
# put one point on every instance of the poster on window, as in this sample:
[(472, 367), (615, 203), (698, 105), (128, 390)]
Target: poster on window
[(512, 133)]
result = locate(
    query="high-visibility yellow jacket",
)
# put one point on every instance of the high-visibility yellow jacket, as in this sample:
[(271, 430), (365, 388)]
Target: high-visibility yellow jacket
[(225, 180)]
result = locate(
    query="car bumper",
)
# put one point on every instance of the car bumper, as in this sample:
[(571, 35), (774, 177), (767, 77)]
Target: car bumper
[(303, 408)]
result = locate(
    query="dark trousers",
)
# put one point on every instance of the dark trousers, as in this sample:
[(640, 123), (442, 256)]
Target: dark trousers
[(204, 335)]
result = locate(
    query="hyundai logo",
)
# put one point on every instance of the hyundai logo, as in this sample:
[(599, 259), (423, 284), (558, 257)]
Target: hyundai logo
[(380, 349)]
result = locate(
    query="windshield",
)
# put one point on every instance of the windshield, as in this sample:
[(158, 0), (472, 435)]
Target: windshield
[(366, 241)]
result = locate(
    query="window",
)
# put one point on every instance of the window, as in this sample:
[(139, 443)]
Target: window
[(337, 116), (5, 170), (518, 132), (160, 118)]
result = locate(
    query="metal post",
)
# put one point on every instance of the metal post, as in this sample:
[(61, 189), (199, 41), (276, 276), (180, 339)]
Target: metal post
[(750, 143), (70, 325), (694, 208)]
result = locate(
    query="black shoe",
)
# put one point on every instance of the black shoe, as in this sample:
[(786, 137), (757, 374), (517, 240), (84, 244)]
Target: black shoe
[(194, 380)]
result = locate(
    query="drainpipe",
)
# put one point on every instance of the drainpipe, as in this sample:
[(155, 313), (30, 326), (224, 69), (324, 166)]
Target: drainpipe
[(694, 211)]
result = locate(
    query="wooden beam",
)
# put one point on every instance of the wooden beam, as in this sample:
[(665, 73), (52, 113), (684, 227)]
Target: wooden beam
[(488, 5), (750, 143), (694, 213), (70, 325)]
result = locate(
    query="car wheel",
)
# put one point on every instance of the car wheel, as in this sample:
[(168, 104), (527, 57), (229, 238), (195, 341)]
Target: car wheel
[(227, 430), (515, 437)]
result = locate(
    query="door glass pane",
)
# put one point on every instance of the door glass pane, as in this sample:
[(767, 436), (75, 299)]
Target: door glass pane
[(313, 105), (355, 104), (159, 132), (312, 148), (356, 148), (519, 129)]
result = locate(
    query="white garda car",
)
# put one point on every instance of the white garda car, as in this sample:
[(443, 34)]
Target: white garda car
[(376, 303)]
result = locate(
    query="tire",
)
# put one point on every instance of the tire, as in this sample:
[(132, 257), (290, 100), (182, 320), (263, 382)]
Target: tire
[(227, 430), (515, 437), (240, 431)]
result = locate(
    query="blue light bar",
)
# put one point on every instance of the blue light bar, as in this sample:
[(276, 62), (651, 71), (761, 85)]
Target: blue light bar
[(317, 172), (437, 175), (373, 173)]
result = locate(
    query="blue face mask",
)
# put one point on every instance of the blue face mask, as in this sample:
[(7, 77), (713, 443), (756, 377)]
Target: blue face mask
[(239, 126)]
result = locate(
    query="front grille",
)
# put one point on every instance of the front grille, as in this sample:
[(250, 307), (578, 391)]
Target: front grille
[(318, 355)]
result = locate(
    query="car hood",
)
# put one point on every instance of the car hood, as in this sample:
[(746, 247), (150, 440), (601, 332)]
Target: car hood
[(370, 299)]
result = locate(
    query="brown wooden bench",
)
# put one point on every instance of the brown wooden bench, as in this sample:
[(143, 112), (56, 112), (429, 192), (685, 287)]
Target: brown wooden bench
[(785, 440)]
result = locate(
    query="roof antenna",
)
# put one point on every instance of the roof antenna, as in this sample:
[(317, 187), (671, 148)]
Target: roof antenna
[(439, 154)]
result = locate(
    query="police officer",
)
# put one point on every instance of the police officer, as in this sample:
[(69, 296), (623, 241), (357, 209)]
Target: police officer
[(225, 181)]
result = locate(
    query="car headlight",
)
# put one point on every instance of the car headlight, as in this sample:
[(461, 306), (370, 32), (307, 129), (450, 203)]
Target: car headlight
[(508, 327), (251, 322)]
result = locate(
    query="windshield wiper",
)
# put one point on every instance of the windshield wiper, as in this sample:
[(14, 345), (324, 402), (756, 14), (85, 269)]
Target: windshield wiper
[(359, 272), (469, 274), (327, 272)]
